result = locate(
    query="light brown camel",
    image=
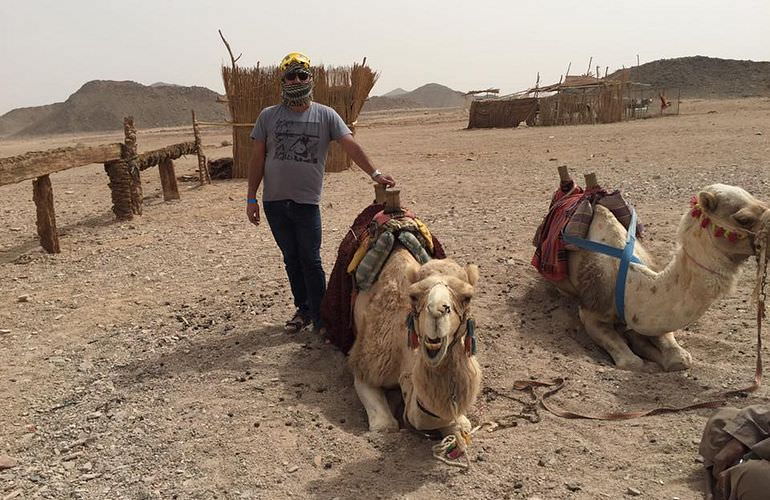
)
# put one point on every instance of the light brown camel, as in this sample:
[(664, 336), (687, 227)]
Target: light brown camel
[(439, 378), (716, 235)]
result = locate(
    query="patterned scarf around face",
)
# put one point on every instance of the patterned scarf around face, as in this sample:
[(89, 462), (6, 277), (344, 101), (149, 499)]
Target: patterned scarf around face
[(296, 93)]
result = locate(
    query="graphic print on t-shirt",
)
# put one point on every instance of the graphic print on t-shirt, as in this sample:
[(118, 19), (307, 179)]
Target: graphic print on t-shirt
[(296, 141)]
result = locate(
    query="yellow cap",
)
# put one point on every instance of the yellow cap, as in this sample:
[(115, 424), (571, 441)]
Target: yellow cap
[(294, 58)]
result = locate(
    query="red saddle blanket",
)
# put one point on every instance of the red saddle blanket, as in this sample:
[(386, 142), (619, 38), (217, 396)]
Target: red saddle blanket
[(571, 211), (337, 304)]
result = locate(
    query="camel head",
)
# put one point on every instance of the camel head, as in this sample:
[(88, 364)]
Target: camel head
[(441, 295), (729, 217)]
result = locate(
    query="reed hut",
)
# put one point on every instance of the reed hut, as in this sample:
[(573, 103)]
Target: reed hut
[(250, 90), (501, 113)]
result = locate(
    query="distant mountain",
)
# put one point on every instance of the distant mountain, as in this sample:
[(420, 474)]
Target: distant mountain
[(699, 76), (434, 95), (101, 105), (164, 84), (20, 118), (431, 95), (395, 92)]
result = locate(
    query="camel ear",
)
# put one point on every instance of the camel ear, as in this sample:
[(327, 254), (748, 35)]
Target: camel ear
[(707, 201), (472, 270)]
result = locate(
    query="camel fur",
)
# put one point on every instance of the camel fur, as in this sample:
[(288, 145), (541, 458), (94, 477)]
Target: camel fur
[(704, 268), (438, 373)]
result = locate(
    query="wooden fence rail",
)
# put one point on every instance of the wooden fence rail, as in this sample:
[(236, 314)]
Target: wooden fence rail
[(121, 163)]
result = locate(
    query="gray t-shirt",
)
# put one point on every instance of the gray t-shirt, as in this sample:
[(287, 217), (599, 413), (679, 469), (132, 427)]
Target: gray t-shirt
[(295, 150)]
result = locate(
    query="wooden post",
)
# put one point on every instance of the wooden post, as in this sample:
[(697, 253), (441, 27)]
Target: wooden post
[(129, 156), (379, 193), (120, 189), (168, 180), (42, 194), (591, 181), (392, 201), (564, 173), (203, 169)]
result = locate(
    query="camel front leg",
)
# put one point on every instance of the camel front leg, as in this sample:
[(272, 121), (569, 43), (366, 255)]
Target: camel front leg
[(675, 357), (605, 335), (376, 405), (644, 347), (461, 425)]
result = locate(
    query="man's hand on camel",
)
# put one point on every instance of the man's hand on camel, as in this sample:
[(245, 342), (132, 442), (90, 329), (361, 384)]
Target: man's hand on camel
[(385, 179), (726, 458), (252, 211)]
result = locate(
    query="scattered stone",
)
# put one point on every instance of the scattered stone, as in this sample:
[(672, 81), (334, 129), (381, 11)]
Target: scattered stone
[(22, 298), (698, 459), (4, 331), (633, 491), (318, 461), (7, 462), (758, 133), (72, 456), (573, 486), (85, 366), (292, 469)]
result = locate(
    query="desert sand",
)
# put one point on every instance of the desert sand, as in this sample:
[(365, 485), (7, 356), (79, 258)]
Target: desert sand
[(148, 360)]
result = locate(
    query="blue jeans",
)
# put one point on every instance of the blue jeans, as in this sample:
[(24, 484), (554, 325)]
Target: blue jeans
[(296, 228)]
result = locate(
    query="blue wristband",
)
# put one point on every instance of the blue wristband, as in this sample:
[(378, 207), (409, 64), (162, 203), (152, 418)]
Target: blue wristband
[(251, 200)]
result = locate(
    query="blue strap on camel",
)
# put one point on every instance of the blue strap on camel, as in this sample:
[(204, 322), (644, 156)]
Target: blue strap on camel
[(625, 254)]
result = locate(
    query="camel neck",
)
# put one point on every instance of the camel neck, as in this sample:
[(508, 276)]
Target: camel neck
[(457, 379), (682, 292)]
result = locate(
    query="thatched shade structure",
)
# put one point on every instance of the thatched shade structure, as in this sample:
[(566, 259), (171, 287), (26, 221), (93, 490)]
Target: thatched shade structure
[(501, 113), (250, 90), (577, 100)]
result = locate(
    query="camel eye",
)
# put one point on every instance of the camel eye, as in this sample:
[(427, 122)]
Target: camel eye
[(744, 220)]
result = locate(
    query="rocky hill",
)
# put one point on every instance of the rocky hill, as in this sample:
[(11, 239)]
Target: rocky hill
[(101, 105), (706, 77), (431, 95), (395, 92), (20, 118)]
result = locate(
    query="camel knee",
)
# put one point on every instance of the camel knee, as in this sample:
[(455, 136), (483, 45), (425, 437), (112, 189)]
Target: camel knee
[(376, 406), (677, 360), (675, 357)]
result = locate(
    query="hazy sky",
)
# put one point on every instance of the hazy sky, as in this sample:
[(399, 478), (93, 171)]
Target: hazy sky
[(48, 49)]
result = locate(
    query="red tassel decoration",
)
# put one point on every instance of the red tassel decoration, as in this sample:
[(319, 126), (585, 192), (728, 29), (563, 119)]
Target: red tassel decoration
[(696, 212), (719, 232), (414, 342), (705, 222), (732, 237)]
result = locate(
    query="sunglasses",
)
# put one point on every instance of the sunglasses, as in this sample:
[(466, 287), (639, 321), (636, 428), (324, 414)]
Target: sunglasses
[(296, 75)]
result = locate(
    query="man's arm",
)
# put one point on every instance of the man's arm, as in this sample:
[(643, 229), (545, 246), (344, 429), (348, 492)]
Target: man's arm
[(256, 173), (357, 154)]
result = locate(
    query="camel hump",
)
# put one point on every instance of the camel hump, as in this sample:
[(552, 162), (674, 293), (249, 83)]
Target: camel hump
[(606, 228)]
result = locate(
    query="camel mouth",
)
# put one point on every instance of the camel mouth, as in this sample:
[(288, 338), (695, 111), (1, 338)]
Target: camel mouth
[(433, 347)]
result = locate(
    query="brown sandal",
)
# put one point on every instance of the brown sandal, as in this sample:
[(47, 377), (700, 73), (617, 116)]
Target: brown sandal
[(296, 323)]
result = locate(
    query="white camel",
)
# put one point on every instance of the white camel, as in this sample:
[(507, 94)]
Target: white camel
[(432, 362), (716, 235)]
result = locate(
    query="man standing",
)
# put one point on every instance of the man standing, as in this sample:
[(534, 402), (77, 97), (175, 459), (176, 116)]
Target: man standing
[(291, 143)]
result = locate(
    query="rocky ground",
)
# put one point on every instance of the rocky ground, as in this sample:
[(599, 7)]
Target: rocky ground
[(147, 359)]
